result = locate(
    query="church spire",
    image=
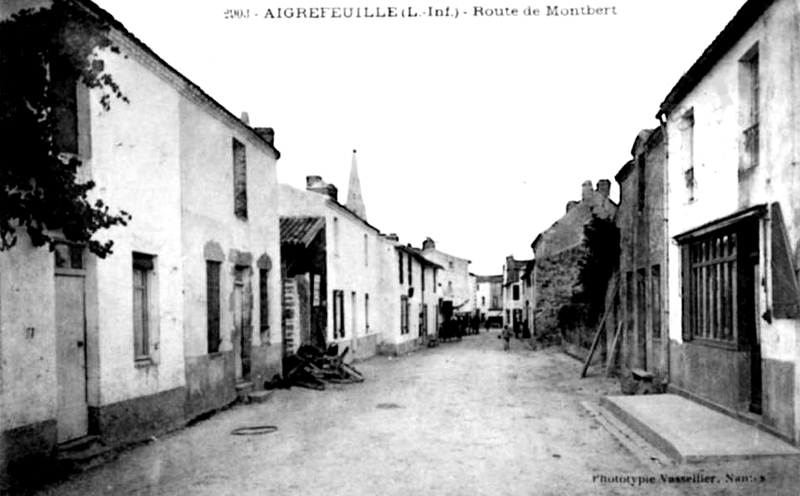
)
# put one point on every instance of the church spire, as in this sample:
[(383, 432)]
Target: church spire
[(355, 202)]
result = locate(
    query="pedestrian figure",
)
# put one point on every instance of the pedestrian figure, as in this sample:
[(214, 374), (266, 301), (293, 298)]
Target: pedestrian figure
[(506, 335)]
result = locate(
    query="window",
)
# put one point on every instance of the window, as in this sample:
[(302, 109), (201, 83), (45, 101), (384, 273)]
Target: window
[(719, 270), (400, 265), (655, 300), (750, 93), (434, 279), (404, 314), (143, 266), (239, 179), (410, 278), (687, 144), (495, 303), (483, 301), (263, 298), (213, 305), (366, 313), (642, 180), (641, 315), (450, 264), (353, 313), (515, 292), (629, 303), (366, 251), (423, 320), (336, 236), (338, 313), (422, 277), (65, 111)]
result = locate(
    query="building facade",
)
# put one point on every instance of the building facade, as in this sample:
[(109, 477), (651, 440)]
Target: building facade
[(640, 303), (490, 299), (563, 309), (339, 278), (413, 303), (117, 348), (454, 278), (731, 124), (514, 316)]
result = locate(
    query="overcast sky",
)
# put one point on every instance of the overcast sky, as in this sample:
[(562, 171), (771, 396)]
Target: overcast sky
[(475, 131)]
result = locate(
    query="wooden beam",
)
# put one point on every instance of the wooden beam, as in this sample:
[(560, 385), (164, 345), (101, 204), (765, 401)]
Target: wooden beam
[(612, 352), (600, 329)]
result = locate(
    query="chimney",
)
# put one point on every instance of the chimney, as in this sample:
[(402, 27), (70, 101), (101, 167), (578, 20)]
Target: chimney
[(393, 237), (571, 204), (267, 134), (586, 191), (428, 244), (317, 185), (245, 118), (604, 187)]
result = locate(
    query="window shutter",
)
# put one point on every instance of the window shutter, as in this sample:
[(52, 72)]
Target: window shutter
[(785, 296), (686, 327)]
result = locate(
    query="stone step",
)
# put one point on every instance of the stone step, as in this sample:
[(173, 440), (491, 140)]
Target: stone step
[(82, 454), (242, 390), (260, 396)]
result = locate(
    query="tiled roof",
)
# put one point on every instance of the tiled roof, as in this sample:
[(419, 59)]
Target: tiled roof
[(300, 230), (498, 279)]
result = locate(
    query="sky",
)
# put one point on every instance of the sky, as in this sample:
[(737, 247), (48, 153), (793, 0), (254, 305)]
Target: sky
[(473, 130)]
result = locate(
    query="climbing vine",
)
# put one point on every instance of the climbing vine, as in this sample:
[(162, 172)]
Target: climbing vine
[(44, 54)]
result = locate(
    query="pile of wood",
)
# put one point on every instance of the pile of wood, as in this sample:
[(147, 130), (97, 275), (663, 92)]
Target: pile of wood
[(313, 368)]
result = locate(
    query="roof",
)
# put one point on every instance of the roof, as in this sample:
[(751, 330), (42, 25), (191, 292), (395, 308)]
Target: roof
[(733, 31), (417, 254), (498, 279), (300, 230), (107, 17)]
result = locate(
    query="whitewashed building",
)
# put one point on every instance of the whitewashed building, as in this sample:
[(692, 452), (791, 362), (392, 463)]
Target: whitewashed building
[(117, 349), (732, 125), (454, 281), (335, 270)]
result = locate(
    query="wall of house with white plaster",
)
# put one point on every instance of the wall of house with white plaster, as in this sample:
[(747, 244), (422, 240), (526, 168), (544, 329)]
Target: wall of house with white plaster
[(137, 168), (721, 188), (212, 232), (27, 339)]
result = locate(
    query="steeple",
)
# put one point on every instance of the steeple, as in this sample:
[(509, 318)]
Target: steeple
[(355, 201)]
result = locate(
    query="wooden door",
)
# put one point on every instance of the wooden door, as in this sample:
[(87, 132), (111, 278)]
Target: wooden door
[(242, 321), (72, 416)]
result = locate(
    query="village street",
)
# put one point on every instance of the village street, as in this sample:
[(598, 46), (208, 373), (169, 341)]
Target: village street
[(463, 418)]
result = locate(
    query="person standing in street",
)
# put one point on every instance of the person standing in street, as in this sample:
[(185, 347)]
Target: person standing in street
[(506, 335)]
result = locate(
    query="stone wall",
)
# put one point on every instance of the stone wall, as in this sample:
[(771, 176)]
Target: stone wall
[(556, 281)]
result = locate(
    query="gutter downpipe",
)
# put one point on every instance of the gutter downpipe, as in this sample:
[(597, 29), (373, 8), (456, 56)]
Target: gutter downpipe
[(662, 120)]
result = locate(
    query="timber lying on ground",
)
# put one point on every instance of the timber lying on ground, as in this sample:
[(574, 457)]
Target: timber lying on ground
[(313, 368)]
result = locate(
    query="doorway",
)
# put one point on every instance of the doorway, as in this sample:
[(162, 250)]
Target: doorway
[(70, 299)]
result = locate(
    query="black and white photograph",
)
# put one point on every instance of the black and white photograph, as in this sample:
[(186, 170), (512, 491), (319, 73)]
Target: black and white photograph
[(273, 247)]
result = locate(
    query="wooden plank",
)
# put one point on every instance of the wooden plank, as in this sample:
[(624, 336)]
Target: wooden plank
[(612, 353), (600, 329)]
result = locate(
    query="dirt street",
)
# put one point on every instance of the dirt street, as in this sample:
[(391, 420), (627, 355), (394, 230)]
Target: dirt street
[(464, 418)]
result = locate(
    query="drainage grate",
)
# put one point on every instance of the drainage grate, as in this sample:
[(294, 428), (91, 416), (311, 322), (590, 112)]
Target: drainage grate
[(253, 430)]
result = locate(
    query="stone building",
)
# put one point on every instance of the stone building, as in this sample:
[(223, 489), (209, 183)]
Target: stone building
[(732, 126), (564, 311), (104, 352), (640, 304)]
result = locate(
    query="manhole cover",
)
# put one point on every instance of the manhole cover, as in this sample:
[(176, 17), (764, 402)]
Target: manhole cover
[(387, 406), (253, 430)]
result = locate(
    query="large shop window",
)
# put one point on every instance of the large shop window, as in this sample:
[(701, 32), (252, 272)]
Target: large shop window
[(719, 263)]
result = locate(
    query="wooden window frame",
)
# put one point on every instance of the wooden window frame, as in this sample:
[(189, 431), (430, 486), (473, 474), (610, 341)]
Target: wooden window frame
[(239, 179), (144, 265), (213, 305)]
